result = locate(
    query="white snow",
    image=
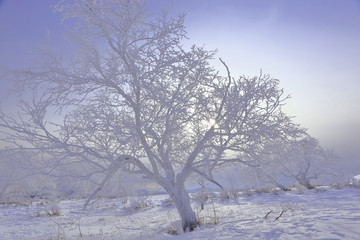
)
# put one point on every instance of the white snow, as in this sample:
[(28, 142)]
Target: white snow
[(322, 213), (357, 177)]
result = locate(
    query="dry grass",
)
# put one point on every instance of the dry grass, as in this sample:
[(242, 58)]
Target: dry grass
[(47, 213)]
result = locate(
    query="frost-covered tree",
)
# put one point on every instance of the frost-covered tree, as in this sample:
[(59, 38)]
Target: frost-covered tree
[(134, 98), (16, 176), (300, 161), (8, 173)]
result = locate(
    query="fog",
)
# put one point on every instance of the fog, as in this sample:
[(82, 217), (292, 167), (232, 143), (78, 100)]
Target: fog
[(311, 46)]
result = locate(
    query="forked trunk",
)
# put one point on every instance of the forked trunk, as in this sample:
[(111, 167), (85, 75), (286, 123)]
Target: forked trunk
[(305, 182), (181, 200)]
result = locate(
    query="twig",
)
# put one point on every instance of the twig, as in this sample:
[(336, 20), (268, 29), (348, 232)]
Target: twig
[(268, 214), (283, 211)]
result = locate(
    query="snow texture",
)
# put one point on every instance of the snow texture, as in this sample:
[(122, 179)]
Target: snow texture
[(321, 213)]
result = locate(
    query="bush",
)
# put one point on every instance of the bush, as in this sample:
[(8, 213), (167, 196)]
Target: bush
[(228, 194), (137, 204), (167, 202)]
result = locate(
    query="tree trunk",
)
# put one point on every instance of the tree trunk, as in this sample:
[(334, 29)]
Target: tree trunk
[(305, 182), (181, 200), (202, 193)]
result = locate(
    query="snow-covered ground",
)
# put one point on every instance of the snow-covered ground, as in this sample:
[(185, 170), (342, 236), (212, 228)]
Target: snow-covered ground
[(323, 213)]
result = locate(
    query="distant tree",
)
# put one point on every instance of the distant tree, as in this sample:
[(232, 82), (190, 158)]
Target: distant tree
[(7, 173), (135, 99), (303, 160), (14, 171)]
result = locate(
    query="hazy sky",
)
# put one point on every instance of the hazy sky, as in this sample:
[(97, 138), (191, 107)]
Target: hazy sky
[(312, 46)]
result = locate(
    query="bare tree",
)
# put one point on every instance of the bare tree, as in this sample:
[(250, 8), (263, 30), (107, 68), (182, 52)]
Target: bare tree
[(135, 99)]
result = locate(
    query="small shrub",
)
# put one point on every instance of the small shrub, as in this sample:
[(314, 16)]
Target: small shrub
[(262, 190), (275, 192), (174, 229), (200, 196), (137, 204), (53, 213), (319, 189), (248, 193), (228, 194), (209, 216), (47, 213), (47, 209), (167, 202), (349, 183)]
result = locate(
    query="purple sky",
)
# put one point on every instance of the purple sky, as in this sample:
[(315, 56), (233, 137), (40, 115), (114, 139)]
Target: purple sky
[(313, 47)]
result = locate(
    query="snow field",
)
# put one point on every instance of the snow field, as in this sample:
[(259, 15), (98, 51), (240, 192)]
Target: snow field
[(322, 213)]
